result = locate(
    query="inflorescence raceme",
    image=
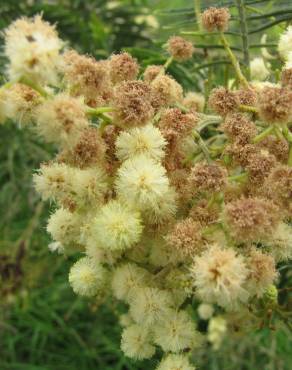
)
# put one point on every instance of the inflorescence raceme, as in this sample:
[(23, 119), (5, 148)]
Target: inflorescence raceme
[(177, 227)]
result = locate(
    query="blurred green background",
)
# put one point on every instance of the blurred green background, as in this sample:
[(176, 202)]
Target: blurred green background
[(43, 325)]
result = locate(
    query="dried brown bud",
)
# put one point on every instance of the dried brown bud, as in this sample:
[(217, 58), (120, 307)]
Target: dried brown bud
[(239, 128), (274, 105), (151, 72), (276, 146), (278, 185), (223, 101), (132, 103), (180, 48), (204, 213), (166, 91), (208, 177), (123, 67), (215, 19), (186, 237), (251, 219), (86, 76), (247, 96), (89, 150), (241, 153), (259, 166), (174, 124), (262, 271), (194, 101)]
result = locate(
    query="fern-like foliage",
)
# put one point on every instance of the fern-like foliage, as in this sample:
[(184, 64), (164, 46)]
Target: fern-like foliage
[(250, 19)]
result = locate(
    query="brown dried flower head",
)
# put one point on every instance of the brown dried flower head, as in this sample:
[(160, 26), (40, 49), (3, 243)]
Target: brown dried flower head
[(247, 96), (123, 67), (241, 152), (239, 128), (274, 105), (278, 185), (223, 101), (132, 102), (262, 271), (194, 101), (277, 146), (88, 151), (175, 124), (166, 91), (204, 213), (180, 48), (152, 71), (208, 177), (85, 75), (186, 237), (259, 166), (215, 19), (62, 119), (251, 219)]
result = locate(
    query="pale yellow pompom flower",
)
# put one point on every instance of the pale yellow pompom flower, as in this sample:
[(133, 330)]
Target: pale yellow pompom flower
[(89, 186), (53, 181), (150, 305), (33, 49), (136, 343), (175, 362), (142, 182), (141, 140), (219, 275), (176, 332), (216, 331), (86, 277), (116, 226), (64, 227), (127, 278)]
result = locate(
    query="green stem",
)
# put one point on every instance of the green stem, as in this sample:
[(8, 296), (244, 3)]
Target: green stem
[(263, 135), (290, 156), (244, 34), (98, 111), (34, 86), (7, 85), (238, 178), (181, 107), (242, 80), (197, 7), (248, 108), (168, 63), (202, 146)]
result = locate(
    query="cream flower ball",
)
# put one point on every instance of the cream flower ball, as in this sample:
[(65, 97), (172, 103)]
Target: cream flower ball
[(141, 140), (142, 182), (136, 342), (116, 226), (175, 362), (219, 275), (86, 277)]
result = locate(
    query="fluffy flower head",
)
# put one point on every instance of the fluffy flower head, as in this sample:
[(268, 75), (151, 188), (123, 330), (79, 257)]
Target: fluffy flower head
[(219, 275), (32, 47), (116, 227), (141, 140), (87, 277)]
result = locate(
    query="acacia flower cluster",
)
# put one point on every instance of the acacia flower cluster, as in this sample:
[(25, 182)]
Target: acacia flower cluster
[(177, 227)]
